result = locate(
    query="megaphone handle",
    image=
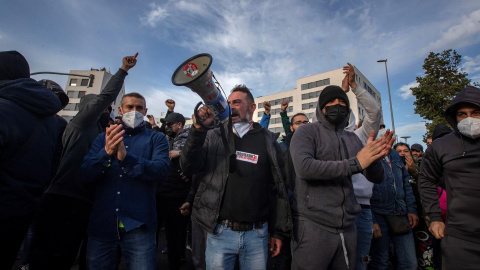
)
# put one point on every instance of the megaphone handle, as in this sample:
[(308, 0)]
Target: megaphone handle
[(197, 118)]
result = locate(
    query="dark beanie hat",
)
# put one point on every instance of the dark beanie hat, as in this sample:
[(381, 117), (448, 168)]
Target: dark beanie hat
[(440, 130), (13, 66), (332, 92), (57, 89)]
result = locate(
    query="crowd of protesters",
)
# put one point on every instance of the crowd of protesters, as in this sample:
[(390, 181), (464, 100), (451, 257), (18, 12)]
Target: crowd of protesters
[(333, 193)]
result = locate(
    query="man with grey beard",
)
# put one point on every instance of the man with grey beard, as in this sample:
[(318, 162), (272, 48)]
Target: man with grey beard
[(241, 201)]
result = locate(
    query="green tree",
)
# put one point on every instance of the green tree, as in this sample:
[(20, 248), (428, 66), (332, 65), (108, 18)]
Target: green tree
[(441, 83)]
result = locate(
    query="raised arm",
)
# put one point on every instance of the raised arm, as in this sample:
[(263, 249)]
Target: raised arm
[(373, 112), (92, 110), (285, 120), (265, 122)]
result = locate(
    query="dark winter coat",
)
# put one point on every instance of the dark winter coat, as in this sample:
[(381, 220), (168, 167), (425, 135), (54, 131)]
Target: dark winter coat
[(457, 158), (23, 102)]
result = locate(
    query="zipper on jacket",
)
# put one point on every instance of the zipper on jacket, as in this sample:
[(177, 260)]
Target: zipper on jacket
[(343, 190)]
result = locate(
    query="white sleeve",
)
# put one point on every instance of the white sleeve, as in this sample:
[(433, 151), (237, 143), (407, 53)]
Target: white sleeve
[(372, 117)]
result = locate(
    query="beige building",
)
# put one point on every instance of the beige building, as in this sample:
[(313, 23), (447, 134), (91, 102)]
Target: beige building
[(78, 86), (304, 98)]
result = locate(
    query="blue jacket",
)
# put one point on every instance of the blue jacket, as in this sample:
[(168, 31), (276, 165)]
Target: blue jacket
[(394, 196), (126, 190), (23, 102)]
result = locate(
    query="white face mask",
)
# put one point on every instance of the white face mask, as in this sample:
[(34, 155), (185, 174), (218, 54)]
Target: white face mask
[(470, 127), (132, 119), (241, 128)]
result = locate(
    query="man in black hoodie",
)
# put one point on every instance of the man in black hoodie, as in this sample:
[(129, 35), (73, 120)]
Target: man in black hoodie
[(63, 217), (456, 156), (28, 137)]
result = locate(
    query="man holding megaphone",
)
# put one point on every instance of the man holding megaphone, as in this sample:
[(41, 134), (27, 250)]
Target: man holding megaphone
[(240, 201)]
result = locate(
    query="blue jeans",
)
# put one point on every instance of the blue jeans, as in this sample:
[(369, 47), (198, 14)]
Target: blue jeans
[(137, 247), (364, 224), (403, 244), (224, 244)]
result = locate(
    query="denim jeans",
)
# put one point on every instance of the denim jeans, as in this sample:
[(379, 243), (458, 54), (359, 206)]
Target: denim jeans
[(137, 247), (364, 224), (403, 244), (224, 244)]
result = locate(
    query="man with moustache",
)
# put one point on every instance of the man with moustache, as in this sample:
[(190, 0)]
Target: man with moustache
[(239, 201)]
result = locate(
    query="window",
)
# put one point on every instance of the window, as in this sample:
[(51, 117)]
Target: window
[(71, 107), (260, 114), (73, 82), (315, 84), (81, 94), (84, 82), (71, 94), (310, 105), (260, 105)]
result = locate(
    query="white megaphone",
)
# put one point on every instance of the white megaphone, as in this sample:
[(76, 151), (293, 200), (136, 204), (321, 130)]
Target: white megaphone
[(195, 74)]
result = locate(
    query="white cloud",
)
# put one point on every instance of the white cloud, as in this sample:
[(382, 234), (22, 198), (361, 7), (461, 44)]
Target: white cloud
[(471, 65), (462, 34), (154, 16), (405, 91), (410, 129)]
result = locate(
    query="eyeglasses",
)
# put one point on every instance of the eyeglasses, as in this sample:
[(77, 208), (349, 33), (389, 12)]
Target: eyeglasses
[(170, 124), (300, 122)]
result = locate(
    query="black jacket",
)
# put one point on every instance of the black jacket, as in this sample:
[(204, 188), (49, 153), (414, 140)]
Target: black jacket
[(78, 138), (204, 152), (23, 102), (457, 158), (177, 184)]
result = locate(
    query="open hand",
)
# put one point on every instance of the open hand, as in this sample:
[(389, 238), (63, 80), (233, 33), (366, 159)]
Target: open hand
[(113, 137)]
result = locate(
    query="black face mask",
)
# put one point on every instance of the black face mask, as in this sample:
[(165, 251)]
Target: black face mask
[(104, 119), (170, 133), (336, 114)]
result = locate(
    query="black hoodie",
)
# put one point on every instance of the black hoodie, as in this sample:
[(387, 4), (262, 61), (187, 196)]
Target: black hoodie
[(23, 102), (457, 158)]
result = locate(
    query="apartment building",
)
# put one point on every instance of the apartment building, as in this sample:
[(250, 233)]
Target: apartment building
[(83, 83)]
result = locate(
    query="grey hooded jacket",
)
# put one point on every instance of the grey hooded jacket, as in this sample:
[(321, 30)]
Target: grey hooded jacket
[(324, 160)]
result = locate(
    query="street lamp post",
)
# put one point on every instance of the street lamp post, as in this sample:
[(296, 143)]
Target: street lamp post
[(405, 138), (389, 96), (90, 81)]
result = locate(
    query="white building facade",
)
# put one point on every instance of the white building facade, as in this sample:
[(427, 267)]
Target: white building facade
[(78, 86)]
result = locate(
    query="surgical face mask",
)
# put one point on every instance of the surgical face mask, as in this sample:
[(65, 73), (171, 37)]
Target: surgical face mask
[(336, 114), (469, 127), (132, 119)]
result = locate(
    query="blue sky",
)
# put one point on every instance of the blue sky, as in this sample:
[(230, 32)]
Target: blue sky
[(266, 45)]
